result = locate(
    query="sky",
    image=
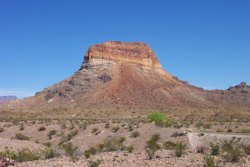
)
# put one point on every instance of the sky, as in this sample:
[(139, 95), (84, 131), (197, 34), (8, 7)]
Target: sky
[(206, 43)]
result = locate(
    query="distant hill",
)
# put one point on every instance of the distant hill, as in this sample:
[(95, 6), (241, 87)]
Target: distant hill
[(6, 98)]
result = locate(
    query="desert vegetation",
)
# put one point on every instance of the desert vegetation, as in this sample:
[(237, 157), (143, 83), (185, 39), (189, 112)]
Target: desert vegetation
[(151, 139)]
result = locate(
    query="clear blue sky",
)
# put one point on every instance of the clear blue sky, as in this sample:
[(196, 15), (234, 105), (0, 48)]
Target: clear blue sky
[(205, 42)]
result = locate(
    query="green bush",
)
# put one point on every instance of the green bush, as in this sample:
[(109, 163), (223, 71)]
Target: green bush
[(51, 133), (47, 144), (115, 129), (180, 148), (135, 134), (113, 144), (215, 149), (90, 151), (94, 163), (21, 156), (94, 130), (178, 134), (169, 145), (20, 136), (49, 153), (152, 146), (69, 149), (26, 155), (1, 130), (21, 127), (210, 162), (247, 149), (107, 125), (42, 129), (245, 131), (68, 137), (159, 119), (130, 149), (231, 151)]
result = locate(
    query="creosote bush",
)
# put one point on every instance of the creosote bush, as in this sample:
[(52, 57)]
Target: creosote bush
[(215, 149), (210, 162), (178, 134), (94, 163), (135, 134), (115, 129), (51, 133), (231, 150), (69, 149), (68, 137), (21, 156), (109, 145), (168, 145), (152, 146), (180, 148), (42, 129), (20, 136)]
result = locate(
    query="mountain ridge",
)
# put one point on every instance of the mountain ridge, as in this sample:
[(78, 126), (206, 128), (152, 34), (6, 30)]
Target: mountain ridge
[(124, 79)]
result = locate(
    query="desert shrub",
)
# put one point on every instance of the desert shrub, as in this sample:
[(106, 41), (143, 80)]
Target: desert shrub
[(21, 156), (130, 127), (68, 137), (207, 126), (245, 131), (51, 133), (215, 149), (219, 130), (231, 151), (69, 149), (113, 144), (90, 151), (94, 163), (26, 155), (152, 146), (180, 148), (41, 129), (95, 131), (20, 136), (115, 129), (63, 126), (135, 134), (107, 125), (229, 130), (201, 134), (83, 125), (198, 124), (21, 128), (168, 145), (210, 162), (47, 144), (49, 153), (1, 130), (130, 149), (176, 125), (178, 134), (246, 149), (159, 119)]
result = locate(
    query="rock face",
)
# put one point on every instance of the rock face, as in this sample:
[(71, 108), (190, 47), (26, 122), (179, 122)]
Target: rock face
[(136, 52), (121, 78)]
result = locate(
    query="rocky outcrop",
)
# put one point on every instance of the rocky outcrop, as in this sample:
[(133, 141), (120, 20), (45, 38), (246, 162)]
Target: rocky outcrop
[(137, 53)]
